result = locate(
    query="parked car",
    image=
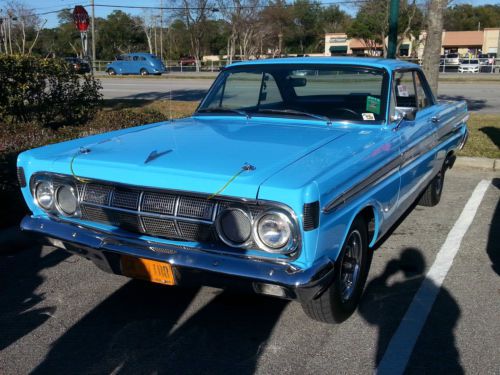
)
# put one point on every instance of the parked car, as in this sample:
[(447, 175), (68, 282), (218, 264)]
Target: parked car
[(80, 66), (280, 181), (469, 66), (452, 59), (187, 61), (136, 63)]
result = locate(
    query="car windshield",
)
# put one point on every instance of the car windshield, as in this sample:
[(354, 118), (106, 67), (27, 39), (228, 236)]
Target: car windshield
[(471, 61), (318, 92)]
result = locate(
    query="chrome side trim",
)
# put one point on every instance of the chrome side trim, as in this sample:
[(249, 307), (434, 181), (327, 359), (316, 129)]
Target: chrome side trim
[(406, 158), (373, 179)]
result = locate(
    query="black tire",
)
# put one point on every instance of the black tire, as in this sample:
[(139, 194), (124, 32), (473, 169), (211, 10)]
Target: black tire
[(432, 194), (144, 72), (334, 305), (111, 72)]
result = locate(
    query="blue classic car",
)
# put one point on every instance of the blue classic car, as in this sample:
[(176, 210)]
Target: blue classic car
[(284, 180), (136, 63)]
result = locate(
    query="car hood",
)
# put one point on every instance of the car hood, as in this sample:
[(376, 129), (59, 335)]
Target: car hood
[(195, 154)]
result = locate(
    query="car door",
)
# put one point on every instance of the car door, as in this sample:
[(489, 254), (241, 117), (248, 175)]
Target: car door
[(418, 135), (136, 65)]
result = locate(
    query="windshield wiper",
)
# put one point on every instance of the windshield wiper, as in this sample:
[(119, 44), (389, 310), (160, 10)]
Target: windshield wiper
[(224, 110), (296, 112)]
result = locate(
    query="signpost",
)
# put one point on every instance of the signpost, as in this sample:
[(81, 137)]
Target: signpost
[(81, 19)]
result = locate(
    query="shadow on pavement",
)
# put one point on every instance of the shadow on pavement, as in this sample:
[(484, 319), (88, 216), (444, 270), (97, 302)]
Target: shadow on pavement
[(19, 279), (493, 134), (385, 303), (493, 247), (137, 330), (181, 95), (472, 104)]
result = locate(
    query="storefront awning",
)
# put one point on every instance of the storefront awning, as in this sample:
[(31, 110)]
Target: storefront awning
[(338, 49)]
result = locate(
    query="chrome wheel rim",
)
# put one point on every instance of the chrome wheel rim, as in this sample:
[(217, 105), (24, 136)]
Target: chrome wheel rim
[(350, 267)]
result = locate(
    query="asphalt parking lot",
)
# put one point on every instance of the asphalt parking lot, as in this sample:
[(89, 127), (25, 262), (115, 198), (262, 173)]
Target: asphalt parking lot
[(60, 314), (481, 96)]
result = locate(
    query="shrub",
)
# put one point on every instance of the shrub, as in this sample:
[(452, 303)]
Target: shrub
[(46, 90)]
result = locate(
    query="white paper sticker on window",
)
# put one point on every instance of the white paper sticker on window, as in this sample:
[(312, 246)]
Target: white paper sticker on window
[(403, 91), (368, 116)]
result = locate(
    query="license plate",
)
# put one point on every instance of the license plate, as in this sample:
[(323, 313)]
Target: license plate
[(146, 269)]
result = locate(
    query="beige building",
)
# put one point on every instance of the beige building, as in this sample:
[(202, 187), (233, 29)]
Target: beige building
[(463, 42)]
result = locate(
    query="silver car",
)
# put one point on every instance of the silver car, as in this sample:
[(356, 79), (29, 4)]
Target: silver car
[(469, 66), (452, 59)]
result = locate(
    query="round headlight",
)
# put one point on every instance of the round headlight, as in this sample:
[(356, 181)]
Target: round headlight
[(274, 230), (234, 226), (67, 202), (44, 194)]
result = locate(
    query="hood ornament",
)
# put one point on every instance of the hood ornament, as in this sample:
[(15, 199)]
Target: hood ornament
[(155, 155)]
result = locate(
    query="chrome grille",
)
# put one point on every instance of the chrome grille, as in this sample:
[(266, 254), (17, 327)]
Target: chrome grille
[(126, 199), (97, 194), (160, 214), (195, 207), (159, 203), (192, 230), (160, 227)]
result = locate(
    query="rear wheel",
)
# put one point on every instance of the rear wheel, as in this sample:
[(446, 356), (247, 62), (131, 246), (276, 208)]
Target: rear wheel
[(144, 72), (111, 72), (432, 194), (341, 298)]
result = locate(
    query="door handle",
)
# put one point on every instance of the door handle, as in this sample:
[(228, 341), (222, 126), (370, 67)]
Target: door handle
[(435, 119)]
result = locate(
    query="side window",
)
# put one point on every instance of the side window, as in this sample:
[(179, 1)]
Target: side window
[(404, 89), (270, 92), (136, 58), (422, 98)]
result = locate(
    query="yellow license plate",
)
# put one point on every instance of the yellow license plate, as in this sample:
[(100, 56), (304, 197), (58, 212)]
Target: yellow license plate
[(146, 269)]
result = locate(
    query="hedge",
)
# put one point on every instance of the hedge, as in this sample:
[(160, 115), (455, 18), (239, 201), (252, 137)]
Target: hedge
[(48, 91)]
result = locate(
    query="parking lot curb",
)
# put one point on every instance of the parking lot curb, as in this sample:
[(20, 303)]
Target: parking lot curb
[(478, 163), (12, 239)]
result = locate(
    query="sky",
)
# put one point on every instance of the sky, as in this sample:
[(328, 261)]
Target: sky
[(43, 6)]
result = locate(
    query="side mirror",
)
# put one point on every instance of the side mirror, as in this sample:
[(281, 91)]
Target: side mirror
[(408, 113), (298, 82), (401, 115)]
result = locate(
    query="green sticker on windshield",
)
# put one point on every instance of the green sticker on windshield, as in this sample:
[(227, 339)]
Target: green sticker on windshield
[(373, 105)]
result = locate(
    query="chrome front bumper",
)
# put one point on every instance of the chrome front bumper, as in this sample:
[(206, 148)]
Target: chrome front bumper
[(192, 266)]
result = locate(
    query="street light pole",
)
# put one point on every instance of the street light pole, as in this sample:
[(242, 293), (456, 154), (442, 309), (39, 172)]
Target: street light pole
[(393, 29), (93, 33), (161, 30)]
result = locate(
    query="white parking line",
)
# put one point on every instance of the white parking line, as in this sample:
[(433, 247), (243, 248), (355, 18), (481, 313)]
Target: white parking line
[(400, 347)]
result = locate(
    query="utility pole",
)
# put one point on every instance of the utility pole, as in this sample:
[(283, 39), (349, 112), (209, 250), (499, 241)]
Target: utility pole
[(93, 33), (155, 26), (161, 30), (393, 29)]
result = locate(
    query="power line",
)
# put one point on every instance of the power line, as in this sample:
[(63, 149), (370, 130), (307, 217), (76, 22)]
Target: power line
[(147, 7)]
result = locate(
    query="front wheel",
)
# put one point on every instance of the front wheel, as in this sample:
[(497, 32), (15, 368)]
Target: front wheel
[(111, 72), (432, 194), (340, 299), (144, 72)]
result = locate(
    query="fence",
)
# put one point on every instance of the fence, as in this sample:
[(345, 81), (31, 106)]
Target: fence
[(174, 66), (484, 66)]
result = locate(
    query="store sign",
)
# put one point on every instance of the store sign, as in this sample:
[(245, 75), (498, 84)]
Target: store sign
[(338, 40)]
